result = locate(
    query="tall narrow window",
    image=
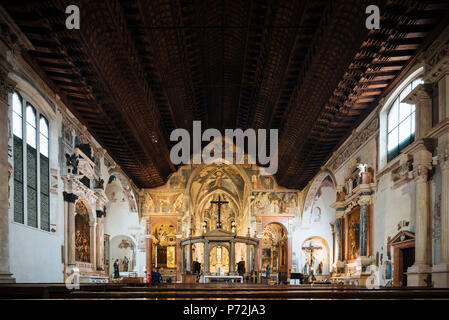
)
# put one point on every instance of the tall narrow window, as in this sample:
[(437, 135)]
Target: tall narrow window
[(31, 164), (17, 123), (401, 122), (31, 125), (44, 174)]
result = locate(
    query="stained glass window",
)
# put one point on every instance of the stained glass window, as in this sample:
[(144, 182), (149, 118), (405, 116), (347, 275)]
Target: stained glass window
[(401, 122), (31, 166)]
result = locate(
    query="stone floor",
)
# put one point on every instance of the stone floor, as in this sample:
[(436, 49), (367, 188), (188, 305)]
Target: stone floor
[(215, 291)]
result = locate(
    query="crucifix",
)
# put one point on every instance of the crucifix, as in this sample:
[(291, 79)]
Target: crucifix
[(310, 249), (219, 203)]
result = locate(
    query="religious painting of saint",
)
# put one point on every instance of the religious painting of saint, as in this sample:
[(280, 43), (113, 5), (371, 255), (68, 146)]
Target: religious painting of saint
[(354, 235), (82, 238)]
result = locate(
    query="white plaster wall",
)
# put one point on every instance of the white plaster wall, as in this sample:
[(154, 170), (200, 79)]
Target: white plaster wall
[(316, 229), (35, 255), (391, 206), (121, 221)]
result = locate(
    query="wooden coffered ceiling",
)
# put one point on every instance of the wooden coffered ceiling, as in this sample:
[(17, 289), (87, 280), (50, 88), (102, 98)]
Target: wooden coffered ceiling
[(138, 69)]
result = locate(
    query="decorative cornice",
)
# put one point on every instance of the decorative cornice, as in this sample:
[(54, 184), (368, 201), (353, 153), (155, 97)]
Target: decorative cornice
[(353, 144), (418, 94), (7, 86), (437, 61)]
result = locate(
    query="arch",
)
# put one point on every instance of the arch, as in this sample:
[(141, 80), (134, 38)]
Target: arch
[(275, 247), (415, 72), (33, 94), (91, 214), (121, 250), (126, 187), (315, 186), (320, 256)]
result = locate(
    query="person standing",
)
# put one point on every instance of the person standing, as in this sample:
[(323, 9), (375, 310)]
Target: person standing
[(116, 270)]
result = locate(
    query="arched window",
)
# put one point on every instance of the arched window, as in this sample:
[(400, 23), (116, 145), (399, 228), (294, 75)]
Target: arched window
[(401, 122), (31, 172)]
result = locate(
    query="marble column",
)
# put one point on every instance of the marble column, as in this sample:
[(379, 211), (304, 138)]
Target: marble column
[(248, 259), (70, 199), (178, 258), (418, 273), (338, 228), (182, 260), (100, 243), (93, 244), (363, 230), (206, 258), (232, 258), (6, 87), (149, 253), (189, 257)]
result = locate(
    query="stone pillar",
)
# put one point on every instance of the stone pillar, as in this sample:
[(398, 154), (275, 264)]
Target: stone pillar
[(248, 259), (232, 258), (418, 273), (440, 271), (149, 253), (6, 87), (100, 243), (189, 257), (182, 260), (93, 243), (437, 71), (422, 99), (70, 199), (258, 260), (206, 258), (289, 257), (178, 258)]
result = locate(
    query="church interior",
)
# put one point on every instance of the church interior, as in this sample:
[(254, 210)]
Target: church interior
[(91, 203)]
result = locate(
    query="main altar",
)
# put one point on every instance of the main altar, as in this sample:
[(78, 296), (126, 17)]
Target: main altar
[(215, 244), (219, 240)]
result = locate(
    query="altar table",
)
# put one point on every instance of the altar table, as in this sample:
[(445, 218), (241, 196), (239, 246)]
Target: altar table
[(223, 277)]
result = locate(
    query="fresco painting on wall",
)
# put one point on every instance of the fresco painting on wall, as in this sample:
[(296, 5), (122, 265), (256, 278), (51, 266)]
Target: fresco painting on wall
[(274, 202), (158, 203), (217, 177), (179, 179)]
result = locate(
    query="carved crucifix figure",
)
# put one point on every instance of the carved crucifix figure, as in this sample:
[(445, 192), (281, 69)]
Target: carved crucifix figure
[(310, 249), (219, 203)]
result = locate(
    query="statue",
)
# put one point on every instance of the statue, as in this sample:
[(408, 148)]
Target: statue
[(99, 184), (116, 269), (72, 161), (311, 259), (320, 268), (125, 264)]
